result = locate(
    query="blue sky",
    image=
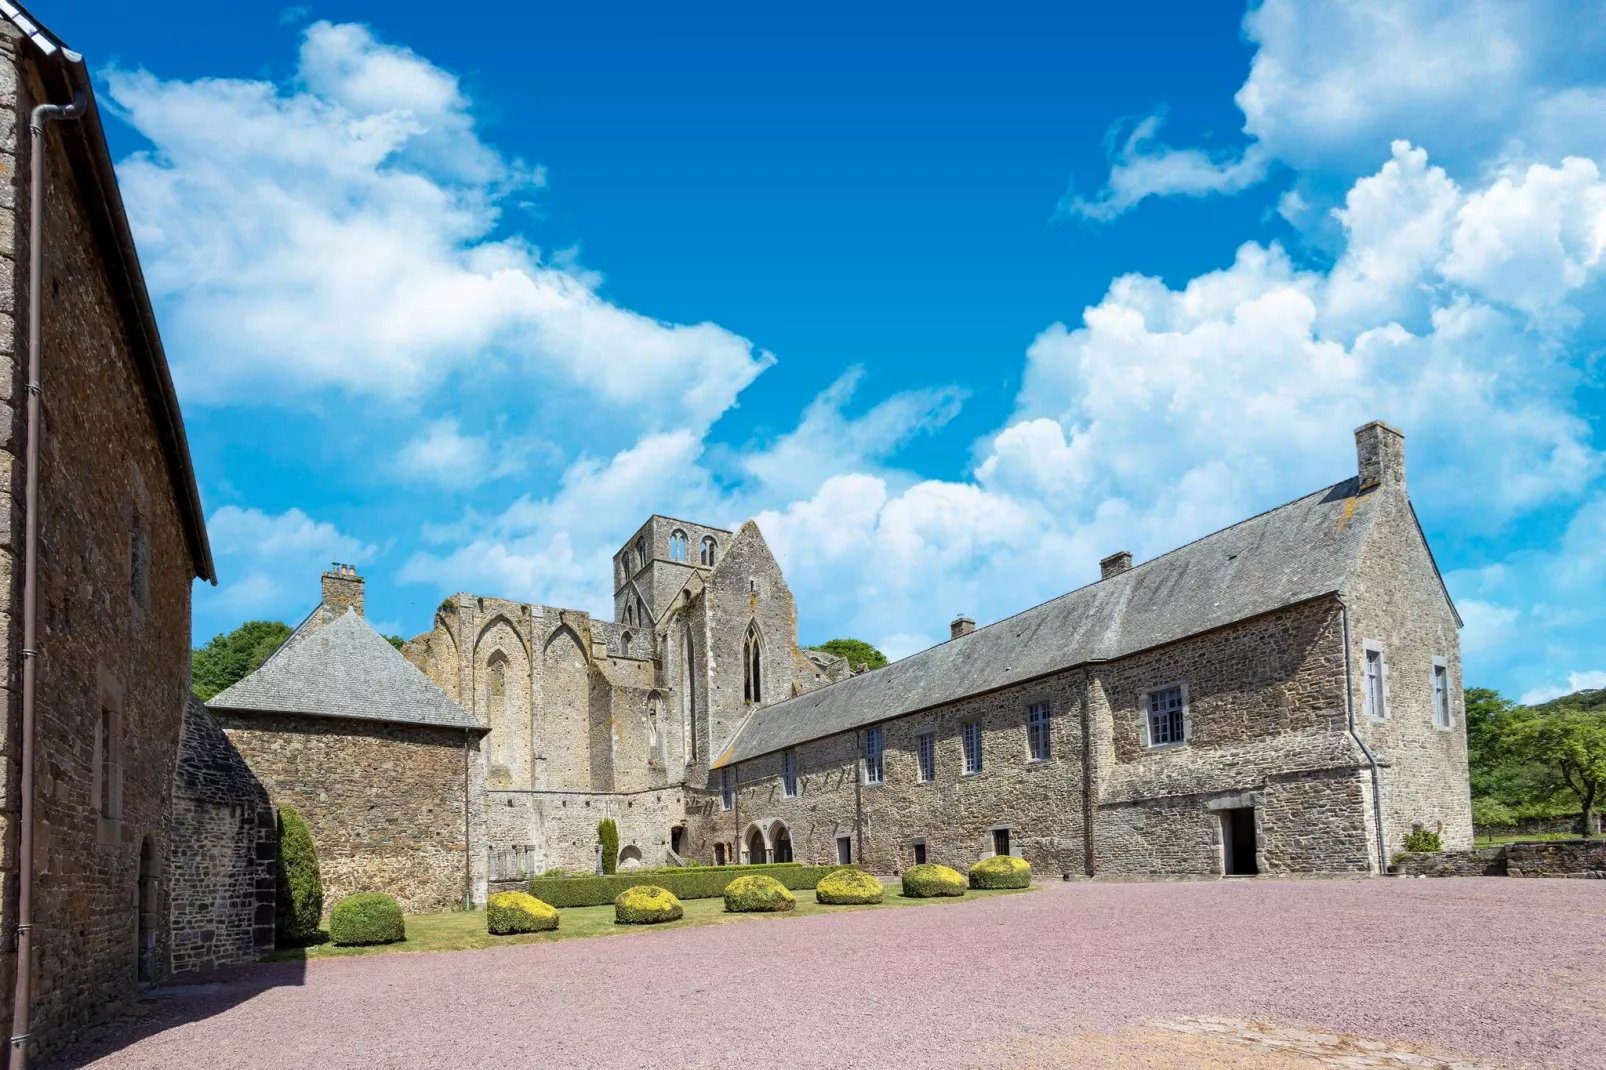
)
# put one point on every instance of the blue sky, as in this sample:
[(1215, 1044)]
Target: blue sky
[(953, 304)]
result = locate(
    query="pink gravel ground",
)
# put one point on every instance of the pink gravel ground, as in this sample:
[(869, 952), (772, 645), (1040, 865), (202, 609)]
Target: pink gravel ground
[(1504, 971)]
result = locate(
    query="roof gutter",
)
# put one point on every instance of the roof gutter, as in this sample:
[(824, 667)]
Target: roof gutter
[(22, 995)]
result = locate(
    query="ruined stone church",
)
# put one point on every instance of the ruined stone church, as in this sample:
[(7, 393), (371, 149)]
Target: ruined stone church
[(1280, 696)]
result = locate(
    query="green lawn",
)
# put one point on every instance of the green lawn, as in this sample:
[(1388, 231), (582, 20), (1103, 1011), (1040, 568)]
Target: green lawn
[(1495, 841), (462, 930)]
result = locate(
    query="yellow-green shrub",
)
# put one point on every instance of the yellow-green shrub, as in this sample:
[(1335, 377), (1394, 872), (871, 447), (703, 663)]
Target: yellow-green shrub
[(1001, 871), (756, 892), (518, 912), (925, 881), (848, 887), (646, 904)]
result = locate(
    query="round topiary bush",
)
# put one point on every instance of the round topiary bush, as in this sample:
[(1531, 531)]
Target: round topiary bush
[(518, 912), (758, 893), (646, 904), (1001, 871), (848, 887), (925, 881), (366, 918)]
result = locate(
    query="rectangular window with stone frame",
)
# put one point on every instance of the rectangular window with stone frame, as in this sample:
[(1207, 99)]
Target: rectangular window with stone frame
[(874, 749), (1441, 693), (789, 774), (1037, 732), (1166, 719), (1375, 675), (970, 737), (928, 757), (727, 793)]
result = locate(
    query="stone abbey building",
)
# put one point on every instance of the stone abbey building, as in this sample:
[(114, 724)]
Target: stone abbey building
[(1281, 696)]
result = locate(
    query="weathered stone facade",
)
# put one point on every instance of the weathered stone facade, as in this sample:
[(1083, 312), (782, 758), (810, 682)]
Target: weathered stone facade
[(120, 541), (223, 838), (389, 805)]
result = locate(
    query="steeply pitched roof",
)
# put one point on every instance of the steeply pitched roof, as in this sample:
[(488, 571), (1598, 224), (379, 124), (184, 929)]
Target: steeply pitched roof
[(344, 669), (63, 73), (1290, 554), (209, 768)]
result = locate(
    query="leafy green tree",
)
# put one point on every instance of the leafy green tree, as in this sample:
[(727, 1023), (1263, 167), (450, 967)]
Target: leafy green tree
[(396, 641), (1571, 745), (230, 658), (299, 882), (859, 653), (608, 836)]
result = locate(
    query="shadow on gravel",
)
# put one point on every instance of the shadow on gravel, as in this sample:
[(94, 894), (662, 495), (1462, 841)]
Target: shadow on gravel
[(197, 997)]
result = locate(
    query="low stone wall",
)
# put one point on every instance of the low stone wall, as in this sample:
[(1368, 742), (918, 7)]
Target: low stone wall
[(1537, 858), (1485, 862), (1557, 858), (1541, 827)]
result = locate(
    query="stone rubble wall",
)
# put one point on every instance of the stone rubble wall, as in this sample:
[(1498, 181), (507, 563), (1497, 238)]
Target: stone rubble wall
[(562, 825), (1537, 858)]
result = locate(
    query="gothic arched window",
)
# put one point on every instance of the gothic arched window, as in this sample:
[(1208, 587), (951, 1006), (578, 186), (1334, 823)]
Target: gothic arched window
[(752, 666), (688, 681), (677, 546), (641, 552), (706, 553), (624, 644)]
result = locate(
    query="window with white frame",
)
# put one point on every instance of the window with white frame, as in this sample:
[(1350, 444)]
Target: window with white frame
[(970, 736), (789, 774), (727, 790), (1037, 731), (874, 746), (1376, 696), (1167, 716), (928, 756), (1441, 694)]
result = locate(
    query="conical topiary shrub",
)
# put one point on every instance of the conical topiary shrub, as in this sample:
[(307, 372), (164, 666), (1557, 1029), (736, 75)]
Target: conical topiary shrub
[(848, 887), (1001, 871), (925, 881), (758, 893), (366, 918), (300, 884), (646, 904), (518, 912)]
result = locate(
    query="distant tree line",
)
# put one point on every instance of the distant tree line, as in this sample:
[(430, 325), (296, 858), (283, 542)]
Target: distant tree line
[(1541, 761), (230, 658), (860, 655)]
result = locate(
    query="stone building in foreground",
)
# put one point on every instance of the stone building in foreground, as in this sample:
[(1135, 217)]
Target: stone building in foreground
[(121, 538), (1282, 696)]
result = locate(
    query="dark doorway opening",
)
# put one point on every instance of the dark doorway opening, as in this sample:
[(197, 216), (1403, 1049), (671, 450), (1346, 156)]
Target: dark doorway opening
[(1238, 838), (844, 850), (719, 854), (783, 846), (677, 839), (920, 854), (755, 848), (1000, 841)]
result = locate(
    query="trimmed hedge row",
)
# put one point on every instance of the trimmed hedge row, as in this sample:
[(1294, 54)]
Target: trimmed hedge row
[(700, 882)]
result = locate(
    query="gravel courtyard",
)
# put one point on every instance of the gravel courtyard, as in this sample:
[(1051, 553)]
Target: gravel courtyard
[(1365, 973)]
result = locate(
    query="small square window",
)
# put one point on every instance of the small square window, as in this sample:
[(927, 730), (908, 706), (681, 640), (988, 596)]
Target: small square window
[(928, 757), (970, 736), (1167, 722), (1037, 731)]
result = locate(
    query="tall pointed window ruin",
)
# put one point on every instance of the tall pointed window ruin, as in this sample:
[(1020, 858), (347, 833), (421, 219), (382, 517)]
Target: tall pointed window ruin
[(688, 679), (752, 666), (706, 552)]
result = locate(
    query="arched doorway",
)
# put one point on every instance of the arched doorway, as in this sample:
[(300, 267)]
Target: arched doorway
[(148, 874), (677, 839), (630, 854), (782, 849), (756, 851)]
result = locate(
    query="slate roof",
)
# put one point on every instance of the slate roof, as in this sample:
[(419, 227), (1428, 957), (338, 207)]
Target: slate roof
[(1287, 555), (344, 669)]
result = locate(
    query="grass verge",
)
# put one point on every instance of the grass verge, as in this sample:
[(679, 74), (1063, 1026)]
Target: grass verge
[(465, 930)]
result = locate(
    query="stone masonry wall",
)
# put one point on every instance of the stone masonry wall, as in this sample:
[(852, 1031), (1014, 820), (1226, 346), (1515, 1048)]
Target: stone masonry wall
[(385, 802), (562, 826), (1397, 601), (114, 610)]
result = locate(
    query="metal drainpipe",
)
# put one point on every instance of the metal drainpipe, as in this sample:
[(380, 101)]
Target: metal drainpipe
[(1377, 774), (468, 853), (858, 805), (30, 566)]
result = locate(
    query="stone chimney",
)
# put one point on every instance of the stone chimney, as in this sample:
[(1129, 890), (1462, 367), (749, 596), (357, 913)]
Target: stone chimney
[(1115, 564), (961, 626), (1380, 451), (342, 587)]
